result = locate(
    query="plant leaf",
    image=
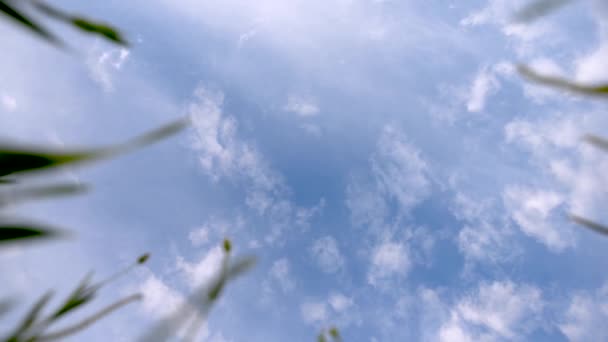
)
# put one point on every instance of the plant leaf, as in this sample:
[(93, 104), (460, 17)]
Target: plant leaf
[(81, 295), (83, 24), (19, 159), (537, 9), (12, 232), (557, 82), (596, 227), (12, 196), (31, 317), (22, 19)]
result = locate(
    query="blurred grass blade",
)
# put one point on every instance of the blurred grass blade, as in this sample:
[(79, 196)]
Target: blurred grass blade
[(5, 306), (81, 295), (16, 159), (557, 82), (83, 324), (196, 306), (31, 318), (596, 141), (15, 232), (12, 196), (596, 227), (335, 334), (20, 18), (83, 24), (537, 9)]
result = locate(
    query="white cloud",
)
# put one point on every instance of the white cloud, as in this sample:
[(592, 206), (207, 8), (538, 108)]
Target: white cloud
[(160, 300), (199, 236), (340, 303), (327, 254), (202, 271), (484, 237), (314, 312), (103, 65), (223, 155), (593, 68), (496, 311), (484, 85), (585, 317), (280, 273), (526, 36), (535, 213), (304, 107), (399, 170), (388, 259), (8, 102)]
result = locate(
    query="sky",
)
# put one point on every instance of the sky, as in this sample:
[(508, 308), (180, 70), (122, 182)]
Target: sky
[(384, 161)]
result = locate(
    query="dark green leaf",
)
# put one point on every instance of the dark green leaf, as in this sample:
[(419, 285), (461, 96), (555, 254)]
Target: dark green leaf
[(321, 338), (83, 24), (22, 19), (13, 232), (596, 227), (557, 82), (16, 159), (240, 266), (537, 9), (81, 295), (13, 160)]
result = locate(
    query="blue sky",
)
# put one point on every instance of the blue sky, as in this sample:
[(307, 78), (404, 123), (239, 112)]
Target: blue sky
[(383, 160)]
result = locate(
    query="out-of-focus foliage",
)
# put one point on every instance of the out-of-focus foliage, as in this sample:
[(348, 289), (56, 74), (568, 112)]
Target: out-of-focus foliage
[(19, 12), (190, 316), (36, 326), (17, 160), (535, 10)]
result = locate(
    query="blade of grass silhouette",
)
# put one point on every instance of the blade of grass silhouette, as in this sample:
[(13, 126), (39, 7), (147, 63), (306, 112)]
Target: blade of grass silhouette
[(83, 293), (596, 141), (30, 318), (83, 24), (594, 226), (13, 232), (14, 196), (18, 160), (197, 303), (26, 22), (83, 324), (537, 9), (561, 83)]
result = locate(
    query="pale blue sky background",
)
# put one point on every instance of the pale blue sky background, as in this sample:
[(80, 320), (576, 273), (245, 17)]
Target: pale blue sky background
[(392, 172)]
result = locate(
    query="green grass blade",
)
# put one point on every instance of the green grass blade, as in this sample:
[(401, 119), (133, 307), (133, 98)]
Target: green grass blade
[(82, 24), (561, 83), (17, 232), (23, 20), (21, 159)]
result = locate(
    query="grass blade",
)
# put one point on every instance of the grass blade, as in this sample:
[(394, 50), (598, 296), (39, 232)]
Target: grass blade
[(561, 83), (15, 232), (20, 159), (83, 24), (31, 318), (26, 22), (537, 9), (596, 141), (594, 226), (12, 196)]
